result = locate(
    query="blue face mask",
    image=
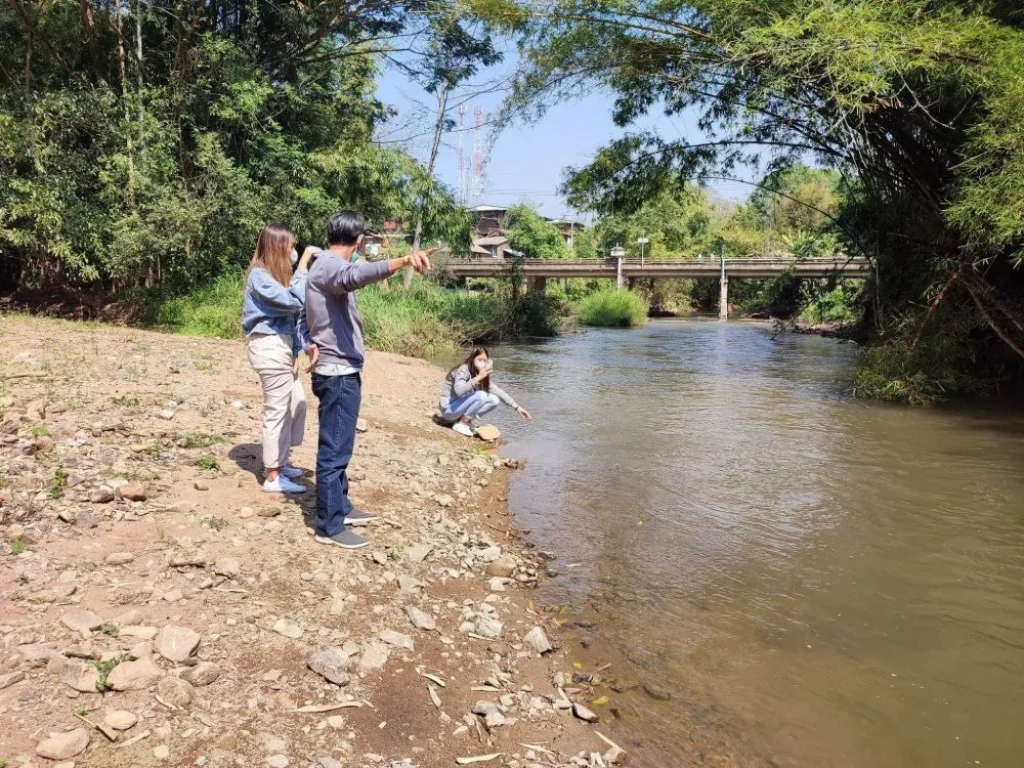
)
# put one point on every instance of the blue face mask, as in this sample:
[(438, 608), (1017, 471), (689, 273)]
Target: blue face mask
[(355, 258)]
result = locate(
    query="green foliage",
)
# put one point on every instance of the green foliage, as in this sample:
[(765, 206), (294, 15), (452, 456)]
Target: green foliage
[(916, 105), (18, 546), (208, 463), (118, 172), (531, 235), (57, 484), (105, 668), (110, 630), (126, 401), (213, 308), (614, 309), (198, 440)]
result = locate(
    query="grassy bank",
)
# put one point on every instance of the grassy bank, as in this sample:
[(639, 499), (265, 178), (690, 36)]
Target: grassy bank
[(613, 309), (424, 320)]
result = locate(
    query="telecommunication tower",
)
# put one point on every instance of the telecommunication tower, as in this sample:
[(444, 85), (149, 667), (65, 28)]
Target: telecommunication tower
[(477, 188), (462, 196)]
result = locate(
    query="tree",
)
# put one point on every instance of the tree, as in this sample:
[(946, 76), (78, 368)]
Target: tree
[(533, 235), (918, 101)]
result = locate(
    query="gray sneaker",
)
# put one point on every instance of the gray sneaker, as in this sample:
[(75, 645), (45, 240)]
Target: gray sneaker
[(346, 540), (358, 517)]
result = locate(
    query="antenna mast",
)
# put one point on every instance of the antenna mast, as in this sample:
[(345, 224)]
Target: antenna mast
[(462, 197), (478, 156)]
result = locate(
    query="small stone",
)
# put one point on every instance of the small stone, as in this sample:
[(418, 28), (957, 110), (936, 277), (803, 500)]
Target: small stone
[(490, 712), (361, 425), (176, 643), (374, 657), (331, 664), (161, 752), (119, 558), (489, 555), (420, 619), (418, 552), (268, 511), (237, 405), (120, 719), (201, 485), (497, 584), (583, 713), (134, 675), (81, 621), (657, 693), (538, 640), (288, 628), (329, 762), (6, 681), (228, 567), (142, 633), (407, 583), (202, 674), (397, 639), (133, 492), (502, 567), (175, 692), (167, 414), (64, 746), (174, 595), (488, 626), (80, 676)]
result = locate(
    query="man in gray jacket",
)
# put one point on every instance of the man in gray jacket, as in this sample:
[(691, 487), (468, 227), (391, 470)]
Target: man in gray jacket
[(332, 335)]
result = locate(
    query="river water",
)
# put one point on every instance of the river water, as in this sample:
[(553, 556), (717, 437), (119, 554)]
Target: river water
[(816, 580)]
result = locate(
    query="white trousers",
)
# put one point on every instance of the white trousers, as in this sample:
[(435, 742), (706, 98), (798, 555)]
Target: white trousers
[(284, 401)]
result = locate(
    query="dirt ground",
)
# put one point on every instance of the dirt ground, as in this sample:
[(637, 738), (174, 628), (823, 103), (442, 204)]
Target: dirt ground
[(151, 591)]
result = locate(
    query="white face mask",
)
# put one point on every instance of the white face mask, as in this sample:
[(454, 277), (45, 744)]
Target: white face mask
[(294, 257)]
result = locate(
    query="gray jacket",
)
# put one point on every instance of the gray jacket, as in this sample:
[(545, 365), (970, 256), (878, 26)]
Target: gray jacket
[(459, 382), (331, 319)]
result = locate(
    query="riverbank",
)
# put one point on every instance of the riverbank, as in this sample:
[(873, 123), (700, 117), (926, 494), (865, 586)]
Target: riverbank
[(140, 557)]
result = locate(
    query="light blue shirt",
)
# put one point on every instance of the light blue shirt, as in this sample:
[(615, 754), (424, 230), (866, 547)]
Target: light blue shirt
[(271, 308)]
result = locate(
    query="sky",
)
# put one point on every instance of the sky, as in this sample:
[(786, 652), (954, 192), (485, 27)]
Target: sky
[(526, 161)]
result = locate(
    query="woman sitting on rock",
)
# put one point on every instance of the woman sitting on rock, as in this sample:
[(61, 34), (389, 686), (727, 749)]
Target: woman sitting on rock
[(274, 297), (467, 393)]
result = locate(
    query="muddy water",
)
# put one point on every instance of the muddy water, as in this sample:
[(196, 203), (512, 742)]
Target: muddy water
[(816, 581)]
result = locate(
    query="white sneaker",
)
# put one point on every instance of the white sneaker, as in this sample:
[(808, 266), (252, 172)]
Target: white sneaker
[(292, 473), (463, 429), (282, 485)]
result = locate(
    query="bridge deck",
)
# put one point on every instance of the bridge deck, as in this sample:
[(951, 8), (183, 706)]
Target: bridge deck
[(695, 268)]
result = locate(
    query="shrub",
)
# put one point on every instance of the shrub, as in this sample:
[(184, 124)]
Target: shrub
[(614, 309)]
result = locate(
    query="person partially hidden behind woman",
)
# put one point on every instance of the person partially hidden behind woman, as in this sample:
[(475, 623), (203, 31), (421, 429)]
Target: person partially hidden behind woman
[(274, 297), (468, 393)]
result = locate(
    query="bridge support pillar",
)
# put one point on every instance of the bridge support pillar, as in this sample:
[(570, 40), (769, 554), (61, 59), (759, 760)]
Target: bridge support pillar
[(723, 298), (619, 284), (537, 284), (631, 283)]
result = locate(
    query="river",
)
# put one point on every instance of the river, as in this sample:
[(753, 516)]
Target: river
[(815, 580)]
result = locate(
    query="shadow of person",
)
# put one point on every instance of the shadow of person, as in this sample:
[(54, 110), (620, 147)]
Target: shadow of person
[(248, 457)]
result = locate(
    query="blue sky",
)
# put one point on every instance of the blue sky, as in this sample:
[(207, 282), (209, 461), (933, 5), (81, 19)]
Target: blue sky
[(526, 162)]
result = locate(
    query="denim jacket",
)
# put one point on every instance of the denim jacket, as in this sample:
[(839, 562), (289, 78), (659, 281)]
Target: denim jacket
[(269, 307)]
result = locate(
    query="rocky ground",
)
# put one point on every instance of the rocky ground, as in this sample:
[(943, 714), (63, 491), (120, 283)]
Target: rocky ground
[(157, 609)]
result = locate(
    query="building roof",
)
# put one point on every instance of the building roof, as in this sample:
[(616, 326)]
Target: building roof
[(487, 209), (492, 240)]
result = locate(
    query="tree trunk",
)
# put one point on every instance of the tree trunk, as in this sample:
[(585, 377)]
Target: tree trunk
[(442, 104)]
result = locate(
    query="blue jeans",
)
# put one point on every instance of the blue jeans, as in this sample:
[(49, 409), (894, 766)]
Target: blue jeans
[(338, 411), (470, 405)]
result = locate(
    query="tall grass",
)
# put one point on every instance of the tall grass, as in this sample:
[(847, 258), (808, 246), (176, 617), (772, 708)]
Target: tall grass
[(424, 320), (614, 309)]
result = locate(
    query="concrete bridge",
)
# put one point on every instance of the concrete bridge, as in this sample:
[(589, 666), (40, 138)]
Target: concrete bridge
[(626, 271)]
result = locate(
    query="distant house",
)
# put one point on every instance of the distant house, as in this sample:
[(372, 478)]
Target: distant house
[(490, 220), (491, 247), (568, 230)]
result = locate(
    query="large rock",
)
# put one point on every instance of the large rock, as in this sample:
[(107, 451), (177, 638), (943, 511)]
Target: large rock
[(331, 664), (203, 673), (175, 692), (134, 675), (176, 643), (503, 567), (101, 495), (64, 746), (81, 621), (227, 567), (536, 639), (119, 558), (132, 492), (489, 555), (420, 619), (583, 713), (80, 676), (374, 657), (120, 719)]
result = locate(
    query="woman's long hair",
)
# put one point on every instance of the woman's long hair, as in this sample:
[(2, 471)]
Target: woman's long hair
[(273, 253), (484, 383)]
